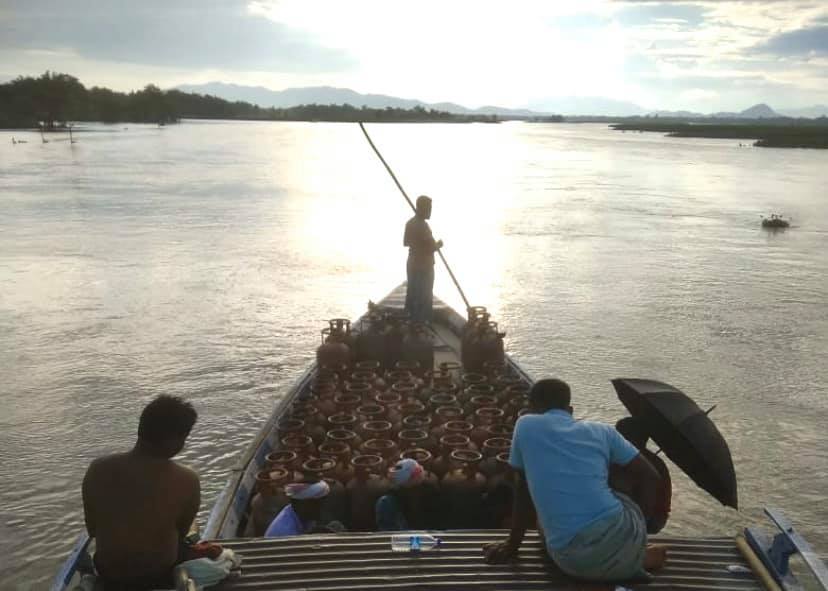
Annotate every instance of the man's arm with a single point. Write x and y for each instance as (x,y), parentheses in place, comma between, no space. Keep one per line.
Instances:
(523,516)
(191,503)
(645,479)
(428,240)
(523,510)
(86,492)
(407,234)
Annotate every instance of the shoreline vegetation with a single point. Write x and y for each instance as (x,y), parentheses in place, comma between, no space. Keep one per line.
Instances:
(767,133)
(55,101)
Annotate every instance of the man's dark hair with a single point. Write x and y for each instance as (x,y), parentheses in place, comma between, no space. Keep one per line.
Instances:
(550,393)
(423,204)
(166,417)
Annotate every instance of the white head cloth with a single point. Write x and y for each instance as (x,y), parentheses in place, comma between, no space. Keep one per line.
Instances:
(406,472)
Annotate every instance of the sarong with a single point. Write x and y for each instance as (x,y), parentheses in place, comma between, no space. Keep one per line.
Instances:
(418,293)
(608,550)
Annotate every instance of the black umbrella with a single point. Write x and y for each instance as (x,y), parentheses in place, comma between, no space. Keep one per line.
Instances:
(684,432)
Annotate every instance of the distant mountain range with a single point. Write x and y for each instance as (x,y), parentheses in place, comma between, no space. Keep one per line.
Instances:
(588,105)
(570,105)
(810,112)
(329,95)
(760,111)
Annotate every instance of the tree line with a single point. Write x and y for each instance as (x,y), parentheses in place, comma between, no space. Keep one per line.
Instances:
(774,133)
(55,100)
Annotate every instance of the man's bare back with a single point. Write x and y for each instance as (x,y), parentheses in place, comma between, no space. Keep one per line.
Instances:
(139,506)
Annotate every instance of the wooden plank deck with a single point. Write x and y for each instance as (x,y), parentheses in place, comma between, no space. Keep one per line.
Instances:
(345,562)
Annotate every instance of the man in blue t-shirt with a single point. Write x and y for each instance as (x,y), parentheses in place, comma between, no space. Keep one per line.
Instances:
(562,468)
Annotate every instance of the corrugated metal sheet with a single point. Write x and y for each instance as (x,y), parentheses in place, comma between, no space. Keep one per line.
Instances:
(347,562)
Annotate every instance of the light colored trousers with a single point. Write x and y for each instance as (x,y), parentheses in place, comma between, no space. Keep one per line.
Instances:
(608,550)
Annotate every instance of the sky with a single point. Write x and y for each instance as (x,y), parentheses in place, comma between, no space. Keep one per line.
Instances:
(703,56)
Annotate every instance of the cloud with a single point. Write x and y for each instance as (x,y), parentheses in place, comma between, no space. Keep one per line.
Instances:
(581,20)
(695,95)
(185,34)
(718,2)
(808,41)
(637,14)
(654,52)
(720,82)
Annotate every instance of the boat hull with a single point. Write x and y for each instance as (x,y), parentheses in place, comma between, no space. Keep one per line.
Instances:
(351,561)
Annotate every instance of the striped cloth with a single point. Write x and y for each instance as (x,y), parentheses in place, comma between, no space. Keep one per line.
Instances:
(608,550)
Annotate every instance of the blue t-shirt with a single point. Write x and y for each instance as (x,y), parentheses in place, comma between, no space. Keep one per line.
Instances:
(566,463)
(286,523)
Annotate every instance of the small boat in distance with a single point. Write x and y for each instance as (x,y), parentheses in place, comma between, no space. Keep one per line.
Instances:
(422,391)
(775,222)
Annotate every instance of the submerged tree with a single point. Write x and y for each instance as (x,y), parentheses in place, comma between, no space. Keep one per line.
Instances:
(49,100)
(58,98)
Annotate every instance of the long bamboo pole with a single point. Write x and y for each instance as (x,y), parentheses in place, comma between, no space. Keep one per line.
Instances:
(414,209)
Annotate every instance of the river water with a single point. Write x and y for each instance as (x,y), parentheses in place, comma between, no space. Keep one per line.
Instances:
(202,259)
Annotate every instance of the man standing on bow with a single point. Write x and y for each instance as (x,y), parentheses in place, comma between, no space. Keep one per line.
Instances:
(421,248)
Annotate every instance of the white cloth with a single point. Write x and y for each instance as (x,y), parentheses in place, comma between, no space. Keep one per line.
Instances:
(205,572)
(406,472)
(307,490)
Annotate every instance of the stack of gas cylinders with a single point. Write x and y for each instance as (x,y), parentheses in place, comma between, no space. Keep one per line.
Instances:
(377,397)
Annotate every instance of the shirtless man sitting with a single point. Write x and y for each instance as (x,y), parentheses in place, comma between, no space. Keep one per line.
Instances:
(139,505)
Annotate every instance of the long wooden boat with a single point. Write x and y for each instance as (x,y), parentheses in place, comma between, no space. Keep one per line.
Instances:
(364,560)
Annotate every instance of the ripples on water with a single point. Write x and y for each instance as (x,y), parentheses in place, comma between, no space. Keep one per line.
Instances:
(201,260)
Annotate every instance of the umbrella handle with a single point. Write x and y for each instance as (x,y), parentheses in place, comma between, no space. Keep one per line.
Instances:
(707,412)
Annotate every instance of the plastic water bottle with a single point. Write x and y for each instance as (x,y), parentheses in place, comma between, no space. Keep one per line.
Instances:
(414,543)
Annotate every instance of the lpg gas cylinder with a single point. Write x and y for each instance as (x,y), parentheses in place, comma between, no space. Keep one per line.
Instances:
(364,489)
(417,346)
(269,499)
(464,488)
(334,350)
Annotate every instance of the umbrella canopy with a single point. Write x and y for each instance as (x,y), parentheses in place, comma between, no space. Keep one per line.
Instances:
(684,432)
